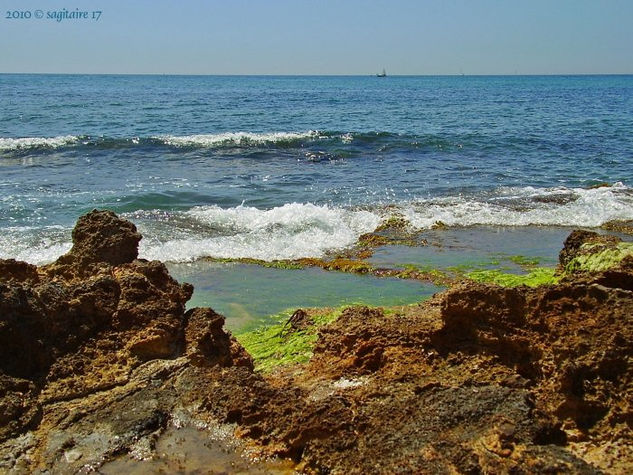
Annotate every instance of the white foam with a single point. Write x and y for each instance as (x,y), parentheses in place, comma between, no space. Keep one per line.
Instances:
(298,230)
(347,138)
(33,142)
(236,138)
(287,232)
(33,244)
(527,206)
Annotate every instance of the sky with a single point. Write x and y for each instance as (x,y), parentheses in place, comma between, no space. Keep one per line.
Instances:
(337,37)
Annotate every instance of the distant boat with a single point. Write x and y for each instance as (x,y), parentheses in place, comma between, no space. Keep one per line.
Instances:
(383,74)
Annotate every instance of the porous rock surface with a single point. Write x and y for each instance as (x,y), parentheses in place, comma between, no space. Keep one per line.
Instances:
(78,335)
(98,354)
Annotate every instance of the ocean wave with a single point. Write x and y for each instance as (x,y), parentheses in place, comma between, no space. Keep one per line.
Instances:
(378,140)
(238,138)
(287,232)
(297,230)
(219,140)
(34,244)
(525,206)
(7,144)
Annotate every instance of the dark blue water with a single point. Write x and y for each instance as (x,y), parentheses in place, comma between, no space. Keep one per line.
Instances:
(274,167)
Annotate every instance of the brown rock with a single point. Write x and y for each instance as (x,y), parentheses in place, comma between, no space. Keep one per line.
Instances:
(620,226)
(101,236)
(578,238)
(84,323)
(479,379)
(208,344)
(17,271)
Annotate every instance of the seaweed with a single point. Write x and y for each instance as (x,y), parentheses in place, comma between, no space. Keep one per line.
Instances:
(597,257)
(272,346)
(537,276)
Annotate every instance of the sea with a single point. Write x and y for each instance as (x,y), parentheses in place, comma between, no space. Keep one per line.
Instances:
(284,167)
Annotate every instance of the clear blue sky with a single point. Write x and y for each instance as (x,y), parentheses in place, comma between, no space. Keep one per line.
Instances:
(322,37)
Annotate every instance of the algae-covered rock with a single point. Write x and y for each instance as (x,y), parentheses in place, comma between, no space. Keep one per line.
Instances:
(586,251)
(535,277)
(395,221)
(596,257)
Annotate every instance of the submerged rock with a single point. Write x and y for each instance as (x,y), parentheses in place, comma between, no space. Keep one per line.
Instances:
(101,362)
(625,227)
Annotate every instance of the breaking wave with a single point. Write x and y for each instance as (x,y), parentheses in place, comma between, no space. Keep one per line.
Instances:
(226,139)
(512,206)
(287,232)
(297,230)
(237,138)
(8,144)
(217,140)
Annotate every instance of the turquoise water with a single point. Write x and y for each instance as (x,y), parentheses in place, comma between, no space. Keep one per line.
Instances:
(288,167)
(246,294)
(477,247)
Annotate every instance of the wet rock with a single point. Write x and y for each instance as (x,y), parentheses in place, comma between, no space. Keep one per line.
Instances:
(479,379)
(89,325)
(620,226)
(579,239)
(572,245)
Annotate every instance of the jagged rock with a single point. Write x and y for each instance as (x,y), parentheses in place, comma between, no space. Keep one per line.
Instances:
(84,323)
(101,236)
(479,379)
(17,272)
(208,344)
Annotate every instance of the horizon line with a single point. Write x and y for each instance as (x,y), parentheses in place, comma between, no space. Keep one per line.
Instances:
(315,75)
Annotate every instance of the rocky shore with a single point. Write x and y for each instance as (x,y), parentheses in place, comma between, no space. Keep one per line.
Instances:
(100,362)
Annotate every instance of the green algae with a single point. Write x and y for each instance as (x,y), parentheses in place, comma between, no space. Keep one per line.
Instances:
(273,346)
(341,264)
(277,264)
(410,271)
(395,221)
(597,257)
(536,277)
(525,262)
(373,240)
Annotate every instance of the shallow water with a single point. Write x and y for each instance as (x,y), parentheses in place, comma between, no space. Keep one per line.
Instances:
(193,451)
(246,294)
(479,246)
